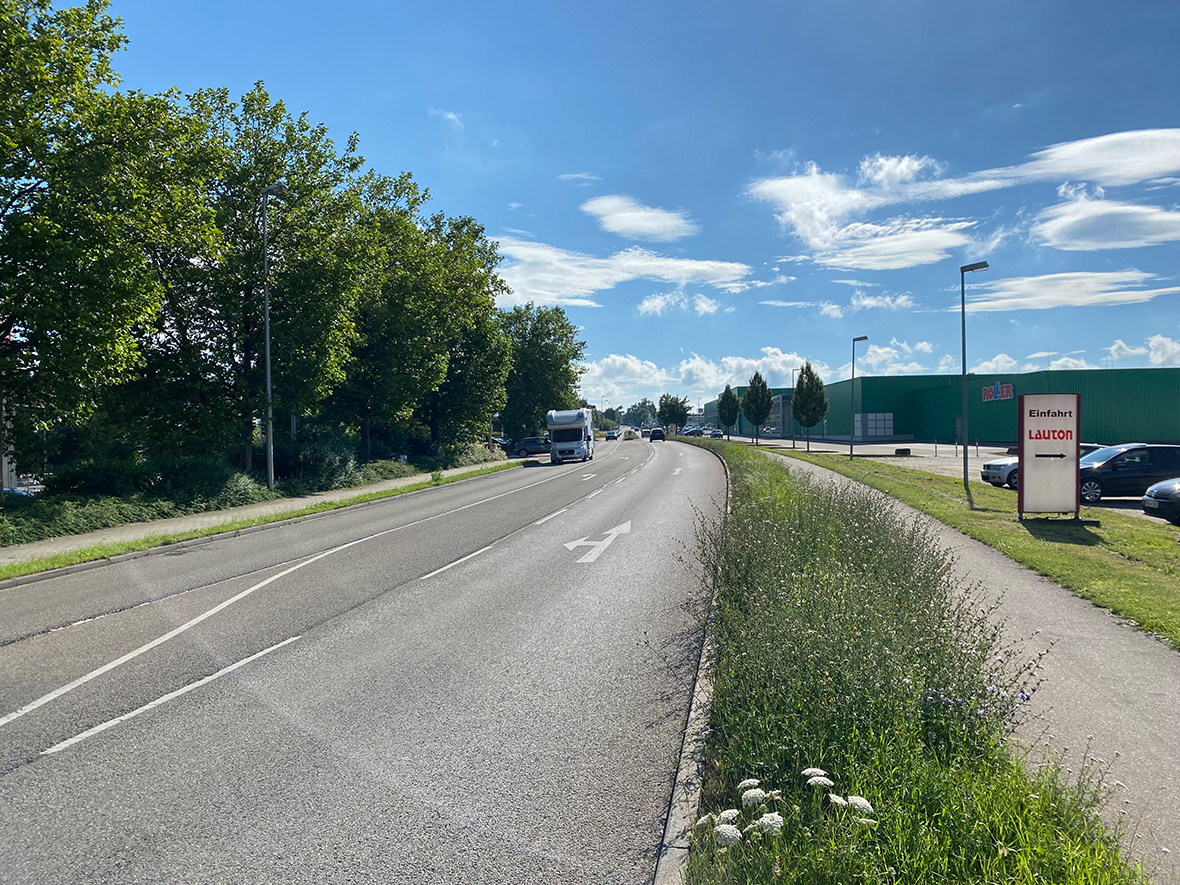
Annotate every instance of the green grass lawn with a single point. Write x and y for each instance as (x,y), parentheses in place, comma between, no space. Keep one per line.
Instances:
(1126,564)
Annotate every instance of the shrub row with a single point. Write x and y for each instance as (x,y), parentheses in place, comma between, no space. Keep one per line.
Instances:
(863,709)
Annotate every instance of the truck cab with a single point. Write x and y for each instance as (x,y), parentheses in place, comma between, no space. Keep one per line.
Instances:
(571,434)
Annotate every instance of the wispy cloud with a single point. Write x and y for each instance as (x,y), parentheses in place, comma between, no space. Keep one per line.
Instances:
(545,274)
(704,305)
(657,304)
(1065,290)
(620,214)
(1120,350)
(1086,225)
(861,301)
(450,116)
(582,179)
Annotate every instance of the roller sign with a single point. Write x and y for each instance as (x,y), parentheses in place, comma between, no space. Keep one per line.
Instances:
(1049,426)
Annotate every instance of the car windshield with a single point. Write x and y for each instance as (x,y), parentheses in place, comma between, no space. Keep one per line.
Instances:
(1101,456)
(567,434)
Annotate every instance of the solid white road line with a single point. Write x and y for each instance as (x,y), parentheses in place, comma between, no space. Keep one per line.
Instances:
(544,519)
(439,571)
(163,699)
(159,640)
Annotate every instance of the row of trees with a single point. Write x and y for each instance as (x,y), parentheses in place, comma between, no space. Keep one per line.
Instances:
(809,404)
(131,272)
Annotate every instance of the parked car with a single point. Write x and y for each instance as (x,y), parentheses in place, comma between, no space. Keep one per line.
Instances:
(532,445)
(1126,469)
(657,433)
(1002,471)
(1163,499)
(691,431)
(612,434)
(717,434)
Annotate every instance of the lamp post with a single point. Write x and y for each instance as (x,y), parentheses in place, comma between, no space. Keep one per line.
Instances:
(963,271)
(277,189)
(852,396)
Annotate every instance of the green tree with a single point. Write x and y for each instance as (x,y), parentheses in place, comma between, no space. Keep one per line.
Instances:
(810,402)
(546,355)
(757,403)
(728,406)
(643,412)
(94,188)
(672,410)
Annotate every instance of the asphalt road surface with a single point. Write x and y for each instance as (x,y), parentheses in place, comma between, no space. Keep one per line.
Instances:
(482,682)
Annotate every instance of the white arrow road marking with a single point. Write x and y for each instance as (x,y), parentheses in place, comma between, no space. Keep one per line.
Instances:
(586,476)
(676,471)
(598,546)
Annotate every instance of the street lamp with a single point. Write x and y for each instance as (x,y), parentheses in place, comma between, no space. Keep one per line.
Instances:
(793,371)
(963,271)
(277,189)
(852,396)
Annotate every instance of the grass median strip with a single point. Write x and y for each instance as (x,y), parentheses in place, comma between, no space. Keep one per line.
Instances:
(108,551)
(863,706)
(1126,564)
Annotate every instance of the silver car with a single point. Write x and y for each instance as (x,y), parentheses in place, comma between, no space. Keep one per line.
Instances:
(1003,471)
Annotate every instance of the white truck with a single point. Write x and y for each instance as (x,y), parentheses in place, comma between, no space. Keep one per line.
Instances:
(571,434)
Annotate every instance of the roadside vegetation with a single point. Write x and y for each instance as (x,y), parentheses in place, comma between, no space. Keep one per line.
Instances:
(863,708)
(1123,563)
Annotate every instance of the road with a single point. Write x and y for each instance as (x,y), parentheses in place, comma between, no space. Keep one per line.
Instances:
(483,682)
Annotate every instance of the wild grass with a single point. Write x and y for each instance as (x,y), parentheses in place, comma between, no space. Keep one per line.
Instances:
(1121,562)
(845,646)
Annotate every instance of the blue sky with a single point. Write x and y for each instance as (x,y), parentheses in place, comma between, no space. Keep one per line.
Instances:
(710,189)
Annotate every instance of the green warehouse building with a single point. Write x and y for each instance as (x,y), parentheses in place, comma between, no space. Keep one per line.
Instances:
(1117,405)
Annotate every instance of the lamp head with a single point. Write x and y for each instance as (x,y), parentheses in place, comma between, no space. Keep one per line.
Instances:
(278,189)
(971,268)
(860,338)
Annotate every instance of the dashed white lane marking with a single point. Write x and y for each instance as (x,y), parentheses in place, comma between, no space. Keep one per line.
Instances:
(550,516)
(586,476)
(595,492)
(110,723)
(439,571)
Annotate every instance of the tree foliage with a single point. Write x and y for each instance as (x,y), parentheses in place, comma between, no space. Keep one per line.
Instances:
(809,405)
(757,403)
(672,410)
(546,355)
(641,413)
(728,406)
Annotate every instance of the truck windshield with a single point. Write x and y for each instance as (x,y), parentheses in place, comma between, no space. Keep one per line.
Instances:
(567,434)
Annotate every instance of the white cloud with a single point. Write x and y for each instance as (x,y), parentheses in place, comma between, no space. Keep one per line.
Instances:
(706,377)
(900,243)
(704,305)
(859,284)
(876,355)
(861,301)
(582,179)
(519,232)
(900,345)
(913,368)
(1164,351)
(617,377)
(450,116)
(544,274)
(831,310)
(620,214)
(512,207)
(889,172)
(1091,225)
(998,364)
(924,347)
(657,304)
(1041,354)
(1069,362)
(946,364)
(1065,290)
(1120,349)
(776,303)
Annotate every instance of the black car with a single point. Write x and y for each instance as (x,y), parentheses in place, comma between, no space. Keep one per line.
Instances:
(657,433)
(1126,469)
(1163,499)
(532,445)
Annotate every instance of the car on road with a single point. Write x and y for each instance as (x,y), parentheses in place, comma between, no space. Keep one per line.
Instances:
(1126,469)
(691,431)
(612,434)
(532,445)
(645,433)
(717,434)
(1163,499)
(657,433)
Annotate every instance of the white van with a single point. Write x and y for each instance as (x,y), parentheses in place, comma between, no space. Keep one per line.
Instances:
(571,433)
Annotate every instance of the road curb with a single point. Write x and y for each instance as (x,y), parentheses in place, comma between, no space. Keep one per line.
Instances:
(686,790)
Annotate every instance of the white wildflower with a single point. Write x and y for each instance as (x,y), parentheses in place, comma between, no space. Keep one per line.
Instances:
(753,797)
(728,816)
(868,822)
(814,772)
(819,781)
(749,829)
(706,819)
(771,822)
(775,794)
(860,805)
(838,801)
(748,784)
(726,835)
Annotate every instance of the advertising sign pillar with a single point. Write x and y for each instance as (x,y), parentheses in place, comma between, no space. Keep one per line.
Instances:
(1048,450)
